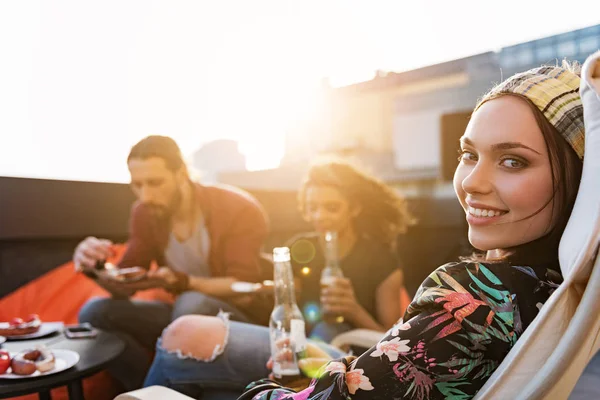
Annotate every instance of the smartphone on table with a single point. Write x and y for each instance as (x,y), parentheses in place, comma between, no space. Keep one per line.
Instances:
(80,331)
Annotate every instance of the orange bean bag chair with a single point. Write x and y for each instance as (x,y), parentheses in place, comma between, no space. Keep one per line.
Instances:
(57,296)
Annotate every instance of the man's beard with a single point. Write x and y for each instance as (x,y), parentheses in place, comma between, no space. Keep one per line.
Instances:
(167,211)
(175,202)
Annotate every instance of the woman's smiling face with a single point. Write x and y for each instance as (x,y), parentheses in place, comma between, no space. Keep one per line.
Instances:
(327,209)
(504,179)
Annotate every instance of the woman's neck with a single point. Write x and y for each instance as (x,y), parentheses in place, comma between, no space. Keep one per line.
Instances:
(346,241)
(495,254)
(542,251)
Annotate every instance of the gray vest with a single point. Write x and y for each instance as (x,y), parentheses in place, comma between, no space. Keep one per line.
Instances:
(190,256)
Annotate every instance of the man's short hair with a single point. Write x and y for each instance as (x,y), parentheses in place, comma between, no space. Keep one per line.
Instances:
(158,146)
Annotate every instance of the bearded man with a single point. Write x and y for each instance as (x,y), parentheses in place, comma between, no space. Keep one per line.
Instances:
(201,238)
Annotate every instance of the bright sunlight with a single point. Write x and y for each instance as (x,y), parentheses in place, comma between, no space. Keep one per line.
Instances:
(84,81)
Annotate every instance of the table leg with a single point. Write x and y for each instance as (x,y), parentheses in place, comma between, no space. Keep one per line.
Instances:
(45,395)
(75,390)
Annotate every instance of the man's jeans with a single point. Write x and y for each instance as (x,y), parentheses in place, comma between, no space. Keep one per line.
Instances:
(139,323)
(223,376)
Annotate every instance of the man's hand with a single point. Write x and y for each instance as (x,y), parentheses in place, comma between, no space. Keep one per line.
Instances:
(127,289)
(90,251)
(117,289)
(163,274)
(339,299)
(174,281)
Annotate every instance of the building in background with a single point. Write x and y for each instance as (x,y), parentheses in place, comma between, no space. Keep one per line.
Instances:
(427,123)
(404,127)
(217,157)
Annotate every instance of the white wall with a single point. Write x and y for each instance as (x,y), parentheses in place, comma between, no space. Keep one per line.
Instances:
(416,140)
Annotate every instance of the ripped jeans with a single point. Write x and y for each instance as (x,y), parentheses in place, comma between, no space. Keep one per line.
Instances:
(139,323)
(231,368)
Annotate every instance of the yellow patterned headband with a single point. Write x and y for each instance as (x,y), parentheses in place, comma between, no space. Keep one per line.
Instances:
(555,91)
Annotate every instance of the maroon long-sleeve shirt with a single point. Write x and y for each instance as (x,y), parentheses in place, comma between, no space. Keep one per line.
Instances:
(236,223)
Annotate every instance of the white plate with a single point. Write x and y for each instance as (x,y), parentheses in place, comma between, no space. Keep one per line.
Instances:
(64,359)
(46,328)
(2,339)
(245,287)
(114,273)
(250,287)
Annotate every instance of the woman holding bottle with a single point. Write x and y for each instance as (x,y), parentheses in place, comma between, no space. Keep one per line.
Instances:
(356,220)
(365,216)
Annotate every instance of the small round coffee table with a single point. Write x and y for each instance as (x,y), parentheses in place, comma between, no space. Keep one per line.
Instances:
(95,354)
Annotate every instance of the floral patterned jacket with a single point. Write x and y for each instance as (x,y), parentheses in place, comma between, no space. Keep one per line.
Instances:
(461,324)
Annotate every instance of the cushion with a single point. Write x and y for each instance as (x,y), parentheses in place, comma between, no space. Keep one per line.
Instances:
(57,296)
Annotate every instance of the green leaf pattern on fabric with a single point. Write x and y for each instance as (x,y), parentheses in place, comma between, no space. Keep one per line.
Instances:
(463,321)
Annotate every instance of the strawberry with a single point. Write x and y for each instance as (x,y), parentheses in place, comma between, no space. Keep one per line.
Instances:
(4,361)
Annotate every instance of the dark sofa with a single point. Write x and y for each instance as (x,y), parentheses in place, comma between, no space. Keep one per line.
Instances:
(42,220)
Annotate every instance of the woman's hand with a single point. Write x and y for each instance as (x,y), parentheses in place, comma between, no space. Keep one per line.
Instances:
(314,359)
(338,298)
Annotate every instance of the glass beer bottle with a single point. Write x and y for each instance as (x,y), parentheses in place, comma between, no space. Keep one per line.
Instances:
(332,270)
(286,325)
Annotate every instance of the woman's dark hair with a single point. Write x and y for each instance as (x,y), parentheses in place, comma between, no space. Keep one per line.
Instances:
(566,170)
(384,214)
(158,146)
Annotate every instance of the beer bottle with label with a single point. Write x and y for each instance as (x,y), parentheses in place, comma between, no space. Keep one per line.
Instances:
(286,325)
(332,270)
